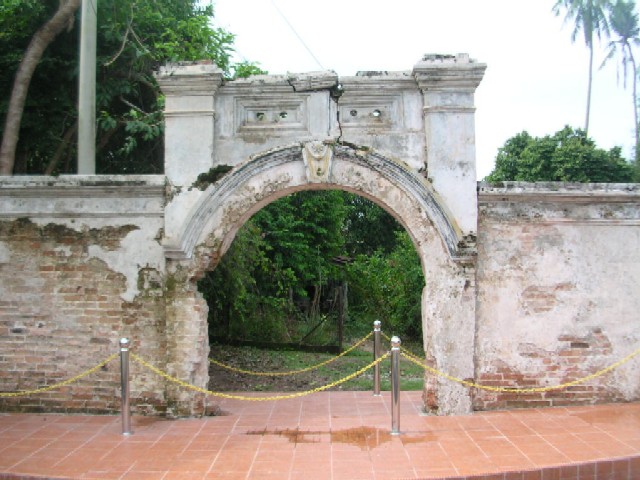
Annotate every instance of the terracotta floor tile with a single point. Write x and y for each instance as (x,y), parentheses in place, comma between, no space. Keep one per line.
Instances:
(474,466)
(143,475)
(309,475)
(183,474)
(548,459)
(11,456)
(225,476)
(202,465)
(511,462)
(427,473)
(497,446)
(332,435)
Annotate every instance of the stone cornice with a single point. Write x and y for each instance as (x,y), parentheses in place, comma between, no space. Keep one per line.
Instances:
(379,82)
(548,192)
(82,196)
(448,73)
(189,79)
(281,84)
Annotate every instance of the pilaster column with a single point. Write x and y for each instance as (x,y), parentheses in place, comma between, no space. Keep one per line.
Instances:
(189,112)
(448,83)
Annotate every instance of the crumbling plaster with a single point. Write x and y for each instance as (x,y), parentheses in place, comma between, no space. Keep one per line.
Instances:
(82,203)
(558,263)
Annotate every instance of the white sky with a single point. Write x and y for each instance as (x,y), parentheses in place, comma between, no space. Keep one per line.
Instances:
(536,79)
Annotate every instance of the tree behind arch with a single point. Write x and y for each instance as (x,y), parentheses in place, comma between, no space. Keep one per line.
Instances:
(566,156)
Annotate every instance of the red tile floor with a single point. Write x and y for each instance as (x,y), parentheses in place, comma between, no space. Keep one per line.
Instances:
(329,436)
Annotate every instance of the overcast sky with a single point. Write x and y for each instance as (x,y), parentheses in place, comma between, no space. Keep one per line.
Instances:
(536,79)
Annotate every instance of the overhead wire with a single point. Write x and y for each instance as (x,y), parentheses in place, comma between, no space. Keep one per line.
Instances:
(297,34)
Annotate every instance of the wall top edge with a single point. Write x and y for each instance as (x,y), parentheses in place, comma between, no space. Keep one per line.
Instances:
(314,81)
(88,181)
(510,191)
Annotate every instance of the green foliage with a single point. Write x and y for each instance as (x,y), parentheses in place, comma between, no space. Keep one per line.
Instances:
(388,288)
(304,234)
(280,278)
(368,227)
(233,291)
(135,37)
(567,156)
(588,16)
(246,69)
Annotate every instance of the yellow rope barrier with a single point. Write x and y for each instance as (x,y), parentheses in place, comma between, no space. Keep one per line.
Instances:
(467,383)
(412,358)
(61,384)
(292,372)
(255,399)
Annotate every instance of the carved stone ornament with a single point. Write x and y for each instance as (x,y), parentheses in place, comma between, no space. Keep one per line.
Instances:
(318,158)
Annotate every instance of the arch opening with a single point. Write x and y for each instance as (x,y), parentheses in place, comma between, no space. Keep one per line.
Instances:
(303,280)
(447,306)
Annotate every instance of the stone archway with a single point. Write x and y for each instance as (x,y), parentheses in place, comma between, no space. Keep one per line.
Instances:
(217,212)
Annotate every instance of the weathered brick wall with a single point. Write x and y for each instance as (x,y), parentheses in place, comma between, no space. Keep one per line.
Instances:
(77,273)
(82,265)
(558,274)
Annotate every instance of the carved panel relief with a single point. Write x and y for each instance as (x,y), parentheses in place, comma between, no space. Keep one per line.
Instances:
(268,115)
(372,111)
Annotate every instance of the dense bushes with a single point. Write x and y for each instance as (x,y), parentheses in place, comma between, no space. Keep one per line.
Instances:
(285,275)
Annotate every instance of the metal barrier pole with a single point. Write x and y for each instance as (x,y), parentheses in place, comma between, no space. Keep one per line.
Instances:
(124,382)
(395,385)
(376,355)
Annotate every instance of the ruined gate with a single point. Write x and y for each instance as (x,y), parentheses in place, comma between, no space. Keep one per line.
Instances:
(379,135)
(512,271)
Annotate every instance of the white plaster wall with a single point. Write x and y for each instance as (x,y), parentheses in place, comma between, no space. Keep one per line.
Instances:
(555,265)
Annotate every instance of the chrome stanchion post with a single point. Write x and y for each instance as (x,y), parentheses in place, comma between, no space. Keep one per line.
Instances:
(395,385)
(376,355)
(124,382)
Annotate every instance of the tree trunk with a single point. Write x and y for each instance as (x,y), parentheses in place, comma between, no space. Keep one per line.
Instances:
(64,143)
(40,41)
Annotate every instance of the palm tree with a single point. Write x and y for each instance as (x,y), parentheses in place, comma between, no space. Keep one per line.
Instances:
(623,20)
(588,16)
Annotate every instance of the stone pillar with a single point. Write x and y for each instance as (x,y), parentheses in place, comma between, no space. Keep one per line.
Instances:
(190,90)
(189,112)
(448,84)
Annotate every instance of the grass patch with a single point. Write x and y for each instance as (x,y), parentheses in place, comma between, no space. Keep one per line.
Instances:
(262,360)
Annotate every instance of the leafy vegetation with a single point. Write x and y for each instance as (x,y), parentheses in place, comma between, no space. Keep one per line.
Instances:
(135,37)
(281,279)
(567,156)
